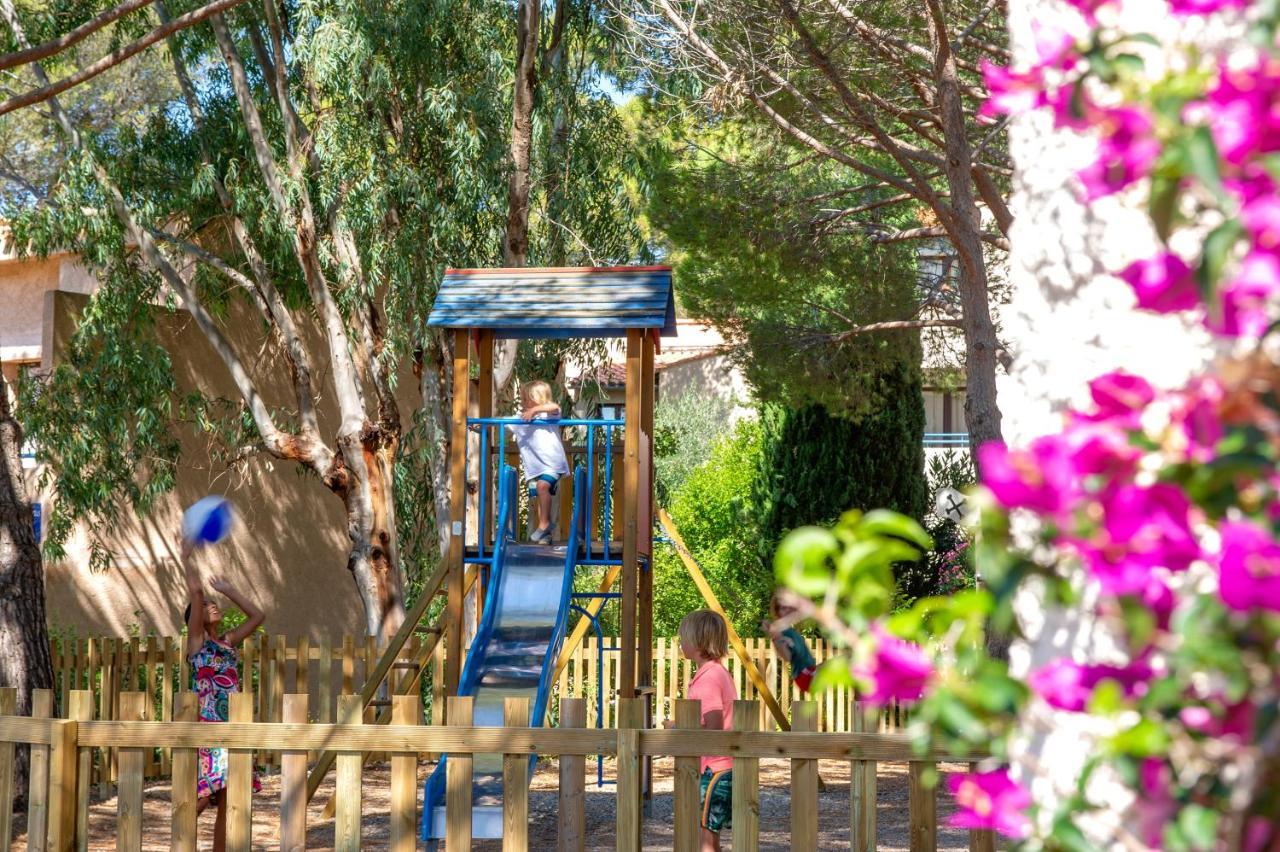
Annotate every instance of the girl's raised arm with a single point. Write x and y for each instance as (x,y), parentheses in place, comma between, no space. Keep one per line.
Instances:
(253,615)
(195,595)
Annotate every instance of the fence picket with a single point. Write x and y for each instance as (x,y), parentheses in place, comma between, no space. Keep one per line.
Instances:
(629,791)
(746,783)
(804,782)
(38,777)
(239,791)
(133,708)
(346,791)
(515,783)
(293,782)
(572,816)
(405,710)
(981,840)
(457,800)
(183,791)
(80,708)
(688,835)
(922,807)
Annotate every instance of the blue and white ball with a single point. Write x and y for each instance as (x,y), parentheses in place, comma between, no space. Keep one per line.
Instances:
(208,521)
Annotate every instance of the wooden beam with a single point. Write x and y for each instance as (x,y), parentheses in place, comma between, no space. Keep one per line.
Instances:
(644,511)
(630,514)
(457,509)
(484,466)
(704,588)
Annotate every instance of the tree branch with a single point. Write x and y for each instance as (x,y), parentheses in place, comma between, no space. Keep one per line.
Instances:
(62,42)
(896,325)
(49,90)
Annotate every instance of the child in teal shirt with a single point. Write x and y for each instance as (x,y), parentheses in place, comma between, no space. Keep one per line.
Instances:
(790,644)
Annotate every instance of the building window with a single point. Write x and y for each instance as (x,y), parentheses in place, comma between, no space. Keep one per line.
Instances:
(611,411)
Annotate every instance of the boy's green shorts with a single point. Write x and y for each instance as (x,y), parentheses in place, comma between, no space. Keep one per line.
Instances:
(716,792)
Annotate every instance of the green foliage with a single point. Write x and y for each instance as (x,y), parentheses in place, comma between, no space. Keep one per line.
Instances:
(814,465)
(684,435)
(754,259)
(708,510)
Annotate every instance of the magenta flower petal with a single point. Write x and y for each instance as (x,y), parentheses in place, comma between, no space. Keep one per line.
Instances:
(1068,685)
(898,670)
(990,801)
(1248,568)
(1204,7)
(1245,299)
(1039,478)
(1127,149)
(1163,284)
(1155,806)
(1153,523)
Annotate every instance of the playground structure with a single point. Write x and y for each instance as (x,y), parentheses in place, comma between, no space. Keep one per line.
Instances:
(524,593)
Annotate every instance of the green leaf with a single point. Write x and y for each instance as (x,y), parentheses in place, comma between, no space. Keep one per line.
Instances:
(1214,257)
(885,522)
(1107,699)
(1199,825)
(1145,739)
(1162,204)
(832,674)
(802,561)
(1203,160)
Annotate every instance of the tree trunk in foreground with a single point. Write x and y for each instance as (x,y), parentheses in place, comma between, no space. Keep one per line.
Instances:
(25,661)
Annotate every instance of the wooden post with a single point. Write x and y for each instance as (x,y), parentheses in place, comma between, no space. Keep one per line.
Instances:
(458,780)
(644,509)
(62,785)
(515,783)
(746,783)
(80,708)
(38,777)
(166,698)
(922,807)
(405,710)
(240,781)
(183,792)
(981,840)
(133,708)
(153,661)
(8,707)
(862,788)
(804,782)
(572,817)
(629,791)
(687,829)
(630,509)
(485,466)
(293,782)
(347,792)
(324,679)
(457,509)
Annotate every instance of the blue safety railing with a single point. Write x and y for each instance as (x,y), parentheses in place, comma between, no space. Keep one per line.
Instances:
(600,436)
(946,439)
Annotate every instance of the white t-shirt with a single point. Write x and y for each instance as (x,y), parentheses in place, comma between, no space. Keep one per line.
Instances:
(541,450)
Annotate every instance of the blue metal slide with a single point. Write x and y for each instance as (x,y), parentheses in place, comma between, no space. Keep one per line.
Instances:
(514,652)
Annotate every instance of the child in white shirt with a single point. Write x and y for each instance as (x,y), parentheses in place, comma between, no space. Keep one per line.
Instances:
(541,453)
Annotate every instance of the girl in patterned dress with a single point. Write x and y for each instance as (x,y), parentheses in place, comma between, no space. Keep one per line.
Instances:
(213,657)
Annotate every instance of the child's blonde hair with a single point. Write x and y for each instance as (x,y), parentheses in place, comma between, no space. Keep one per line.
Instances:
(706,631)
(537,392)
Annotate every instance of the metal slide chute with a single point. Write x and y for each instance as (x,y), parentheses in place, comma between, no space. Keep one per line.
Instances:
(525,618)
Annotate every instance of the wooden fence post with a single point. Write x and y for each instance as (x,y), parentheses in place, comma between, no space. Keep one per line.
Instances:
(804,782)
(629,792)
(240,781)
(405,710)
(62,786)
(746,783)
(133,769)
(8,707)
(687,829)
(922,807)
(183,789)
(515,783)
(346,791)
(862,788)
(293,782)
(573,767)
(457,799)
(80,708)
(38,777)
(981,840)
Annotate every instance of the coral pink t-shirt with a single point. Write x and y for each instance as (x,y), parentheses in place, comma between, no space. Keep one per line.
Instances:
(713,686)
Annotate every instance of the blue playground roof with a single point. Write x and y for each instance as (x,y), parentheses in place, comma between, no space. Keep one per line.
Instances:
(557,301)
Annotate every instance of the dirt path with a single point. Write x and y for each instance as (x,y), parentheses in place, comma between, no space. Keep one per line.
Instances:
(833,812)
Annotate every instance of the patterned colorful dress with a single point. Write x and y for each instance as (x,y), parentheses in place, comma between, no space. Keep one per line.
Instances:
(213,679)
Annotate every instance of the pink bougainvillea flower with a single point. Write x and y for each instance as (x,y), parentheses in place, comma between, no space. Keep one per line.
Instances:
(991,801)
(1195,415)
(1039,478)
(1248,567)
(1118,395)
(897,670)
(1242,112)
(1100,448)
(1243,310)
(1163,284)
(1205,7)
(1127,149)
(1159,598)
(1155,806)
(1231,721)
(1067,685)
(1152,523)
(1011,92)
(1261,218)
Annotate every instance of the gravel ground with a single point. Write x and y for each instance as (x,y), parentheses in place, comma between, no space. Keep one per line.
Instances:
(833,811)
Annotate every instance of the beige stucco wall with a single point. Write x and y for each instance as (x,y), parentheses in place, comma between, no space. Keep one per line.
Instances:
(22,288)
(710,377)
(289,553)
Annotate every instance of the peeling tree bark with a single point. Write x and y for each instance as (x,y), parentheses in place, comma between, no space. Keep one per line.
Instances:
(25,661)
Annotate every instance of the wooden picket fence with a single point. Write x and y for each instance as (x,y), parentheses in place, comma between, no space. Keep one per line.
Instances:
(59,793)
(272,666)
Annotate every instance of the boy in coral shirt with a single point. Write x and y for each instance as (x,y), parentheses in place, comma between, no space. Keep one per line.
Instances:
(705,640)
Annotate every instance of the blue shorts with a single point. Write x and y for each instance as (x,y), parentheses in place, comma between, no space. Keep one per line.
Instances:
(545,477)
